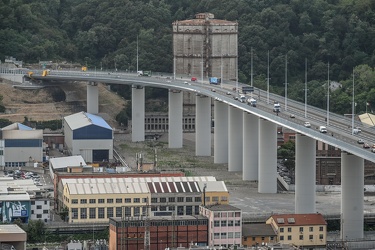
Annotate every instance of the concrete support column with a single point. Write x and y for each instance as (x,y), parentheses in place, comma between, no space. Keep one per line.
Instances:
(305,175)
(203,126)
(221,132)
(175,136)
(250,147)
(352,195)
(267,157)
(235,139)
(138,113)
(92,98)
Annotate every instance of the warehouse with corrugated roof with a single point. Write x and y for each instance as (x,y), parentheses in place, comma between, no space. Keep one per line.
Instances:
(88,135)
(20,145)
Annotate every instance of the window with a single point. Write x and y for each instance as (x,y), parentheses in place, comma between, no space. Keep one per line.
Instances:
(32,202)
(101,212)
(128,211)
(92,201)
(224,198)
(171,208)
(189,210)
(281,237)
(83,211)
(163,200)
(32,211)
(180,199)
(216,223)
(311,237)
(281,230)
(311,229)
(128,200)
(110,201)
(137,200)
(198,199)
(263,238)
(289,237)
(253,238)
(74,213)
(45,211)
(189,199)
(154,200)
(83,201)
(216,235)
(109,212)
(74,201)
(321,229)
(39,207)
(118,212)
(180,210)
(92,213)
(237,223)
(100,200)
(230,235)
(144,200)
(45,202)
(321,236)
(215,199)
(223,235)
(172,199)
(118,200)
(39,216)
(301,229)
(230,223)
(301,237)
(271,238)
(238,214)
(223,223)
(137,211)
(237,235)
(163,208)
(289,229)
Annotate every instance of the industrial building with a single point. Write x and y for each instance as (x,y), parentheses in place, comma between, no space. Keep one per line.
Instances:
(12,237)
(20,145)
(165,232)
(205,47)
(96,200)
(88,135)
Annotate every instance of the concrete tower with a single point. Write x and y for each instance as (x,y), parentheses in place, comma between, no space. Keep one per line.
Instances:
(205,46)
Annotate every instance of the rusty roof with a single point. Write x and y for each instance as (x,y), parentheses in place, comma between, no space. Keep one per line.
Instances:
(298,219)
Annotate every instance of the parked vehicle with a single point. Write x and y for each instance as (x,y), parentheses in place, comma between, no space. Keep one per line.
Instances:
(307,125)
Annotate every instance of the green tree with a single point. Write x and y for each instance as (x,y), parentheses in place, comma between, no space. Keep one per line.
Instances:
(36,231)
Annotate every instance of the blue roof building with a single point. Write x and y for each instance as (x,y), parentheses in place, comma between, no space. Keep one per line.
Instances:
(88,135)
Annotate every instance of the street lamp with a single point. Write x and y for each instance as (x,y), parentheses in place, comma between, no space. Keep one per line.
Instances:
(286,82)
(328,97)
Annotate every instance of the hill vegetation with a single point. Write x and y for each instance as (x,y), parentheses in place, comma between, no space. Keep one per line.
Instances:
(104,34)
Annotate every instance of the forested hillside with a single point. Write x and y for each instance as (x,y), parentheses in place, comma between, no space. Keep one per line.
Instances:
(102,33)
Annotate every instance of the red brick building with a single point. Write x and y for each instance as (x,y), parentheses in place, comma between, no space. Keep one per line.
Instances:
(165,231)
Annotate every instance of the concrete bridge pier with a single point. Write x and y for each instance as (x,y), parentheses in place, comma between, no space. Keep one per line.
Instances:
(305,175)
(250,147)
(138,113)
(92,98)
(220,132)
(175,132)
(235,139)
(267,157)
(352,196)
(203,126)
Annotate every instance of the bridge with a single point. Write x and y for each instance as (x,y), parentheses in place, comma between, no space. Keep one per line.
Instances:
(245,137)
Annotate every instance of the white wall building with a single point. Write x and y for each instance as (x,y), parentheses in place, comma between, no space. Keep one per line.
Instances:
(88,135)
(20,145)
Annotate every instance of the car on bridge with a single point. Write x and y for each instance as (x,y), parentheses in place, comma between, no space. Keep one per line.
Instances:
(307,124)
(360,141)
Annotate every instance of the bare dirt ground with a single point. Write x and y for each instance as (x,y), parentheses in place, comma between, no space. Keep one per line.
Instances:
(39,105)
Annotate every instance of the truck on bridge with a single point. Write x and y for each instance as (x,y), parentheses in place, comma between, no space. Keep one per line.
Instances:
(214,80)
